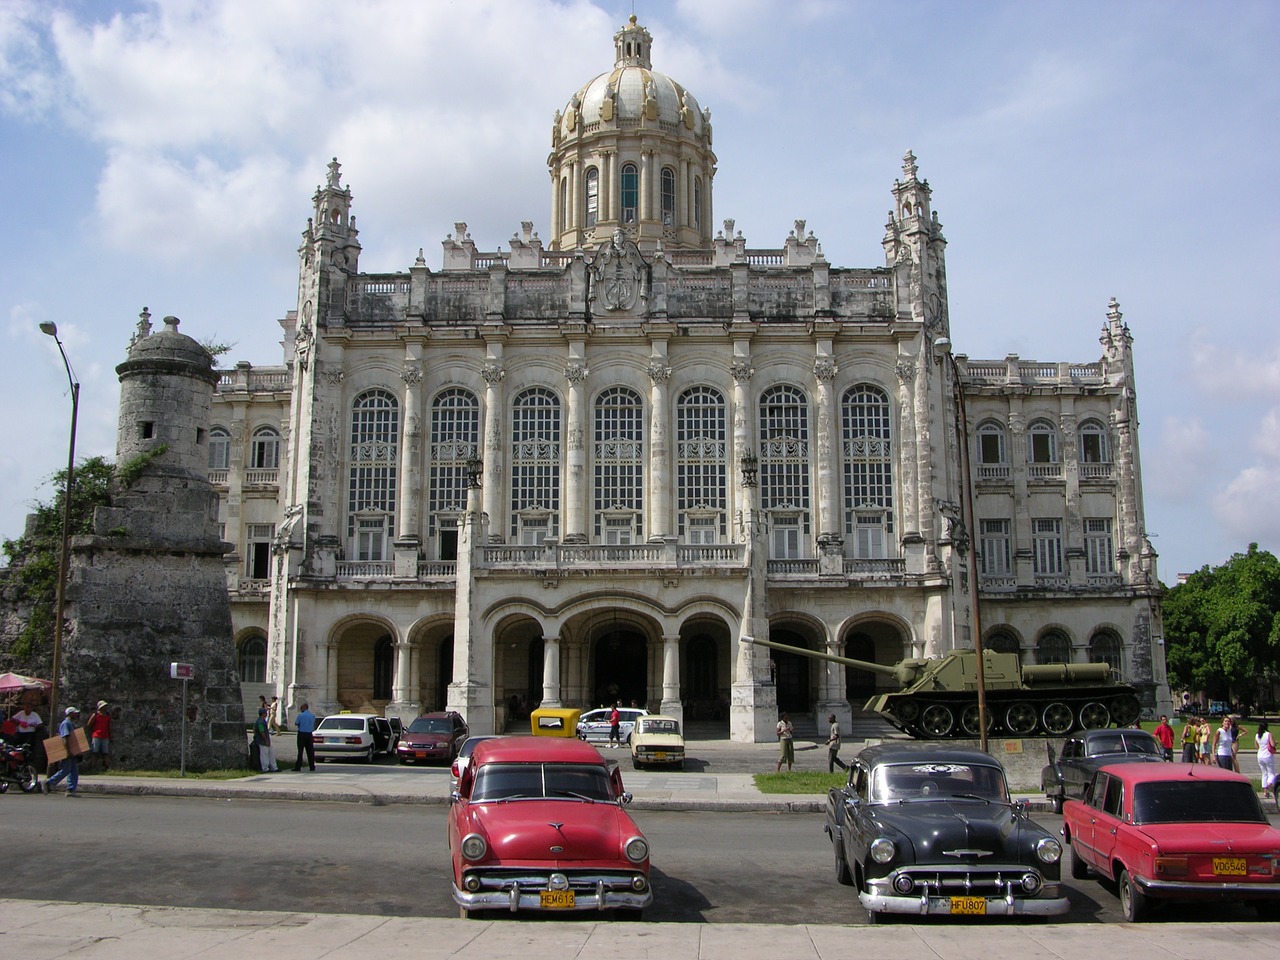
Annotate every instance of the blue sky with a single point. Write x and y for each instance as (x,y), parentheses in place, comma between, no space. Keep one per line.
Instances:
(164,155)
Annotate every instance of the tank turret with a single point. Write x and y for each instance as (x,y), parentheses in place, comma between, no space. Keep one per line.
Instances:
(937,697)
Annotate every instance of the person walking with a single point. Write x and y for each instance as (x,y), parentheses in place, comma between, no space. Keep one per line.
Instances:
(1164,733)
(305,724)
(786,744)
(1190,734)
(262,740)
(100,736)
(1266,759)
(833,746)
(1205,741)
(1224,744)
(69,769)
(279,719)
(615,726)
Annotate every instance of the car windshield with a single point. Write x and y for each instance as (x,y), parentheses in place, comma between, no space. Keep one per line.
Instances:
(540,781)
(431,725)
(342,723)
(1119,742)
(659,726)
(1187,800)
(937,781)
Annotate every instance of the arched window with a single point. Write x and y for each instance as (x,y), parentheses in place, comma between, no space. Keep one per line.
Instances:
(1104,647)
(1093,443)
(375,452)
(618,460)
(384,656)
(253,660)
(784,469)
(697,204)
(264,451)
(668,197)
(455,439)
(535,466)
(564,204)
(701,465)
(868,472)
(219,449)
(630,194)
(1053,647)
(1042,442)
(593,197)
(1002,640)
(991,448)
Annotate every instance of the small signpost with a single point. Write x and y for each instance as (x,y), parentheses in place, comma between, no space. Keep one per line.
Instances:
(183,672)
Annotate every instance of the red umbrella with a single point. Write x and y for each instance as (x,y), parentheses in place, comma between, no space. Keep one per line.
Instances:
(15,682)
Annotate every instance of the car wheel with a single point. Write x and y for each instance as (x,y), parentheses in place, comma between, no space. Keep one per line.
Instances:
(1133,902)
(403,761)
(635,764)
(1079,869)
(843,876)
(368,757)
(629,914)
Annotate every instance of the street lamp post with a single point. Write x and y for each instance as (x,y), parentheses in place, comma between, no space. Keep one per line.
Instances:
(51,329)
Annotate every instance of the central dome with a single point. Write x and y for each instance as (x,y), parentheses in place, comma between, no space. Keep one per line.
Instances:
(632,151)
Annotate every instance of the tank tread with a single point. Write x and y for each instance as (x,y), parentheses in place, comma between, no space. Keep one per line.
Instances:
(1040,712)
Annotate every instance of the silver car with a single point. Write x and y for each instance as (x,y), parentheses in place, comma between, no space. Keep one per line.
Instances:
(594,724)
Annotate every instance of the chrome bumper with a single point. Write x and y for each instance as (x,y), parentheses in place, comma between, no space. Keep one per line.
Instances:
(514,898)
(926,906)
(1258,890)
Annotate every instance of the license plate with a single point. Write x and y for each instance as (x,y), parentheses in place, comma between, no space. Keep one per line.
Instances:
(556,899)
(969,906)
(659,755)
(420,755)
(318,740)
(1229,867)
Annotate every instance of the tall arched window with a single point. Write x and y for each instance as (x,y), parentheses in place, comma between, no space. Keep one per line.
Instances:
(618,459)
(219,449)
(375,453)
(455,439)
(1042,442)
(535,466)
(1002,640)
(1104,647)
(252,662)
(784,469)
(868,472)
(668,197)
(630,194)
(1093,443)
(593,197)
(991,447)
(1053,647)
(264,451)
(701,465)
(384,656)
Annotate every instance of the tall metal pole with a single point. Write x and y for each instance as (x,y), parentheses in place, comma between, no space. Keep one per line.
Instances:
(51,329)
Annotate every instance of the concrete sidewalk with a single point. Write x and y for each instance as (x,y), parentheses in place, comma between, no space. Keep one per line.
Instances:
(90,931)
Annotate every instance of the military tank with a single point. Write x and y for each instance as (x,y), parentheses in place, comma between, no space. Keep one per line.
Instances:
(938,696)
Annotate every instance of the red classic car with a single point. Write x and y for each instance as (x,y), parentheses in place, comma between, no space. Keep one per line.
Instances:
(538,824)
(1175,831)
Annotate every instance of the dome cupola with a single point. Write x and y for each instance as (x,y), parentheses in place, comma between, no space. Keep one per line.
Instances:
(631,150)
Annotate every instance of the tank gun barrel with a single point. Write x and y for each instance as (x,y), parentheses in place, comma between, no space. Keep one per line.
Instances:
(902,673)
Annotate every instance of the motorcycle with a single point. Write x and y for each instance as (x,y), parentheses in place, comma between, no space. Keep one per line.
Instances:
(16,767)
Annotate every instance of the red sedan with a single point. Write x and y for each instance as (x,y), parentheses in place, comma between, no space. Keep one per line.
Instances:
(1175,831)
(537,823)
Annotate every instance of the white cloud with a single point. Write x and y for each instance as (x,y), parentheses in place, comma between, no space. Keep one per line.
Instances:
(1175,466)
(28,81)
(1230,371)
(1246,505)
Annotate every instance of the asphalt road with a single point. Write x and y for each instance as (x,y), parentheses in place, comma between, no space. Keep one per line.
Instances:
(392,860)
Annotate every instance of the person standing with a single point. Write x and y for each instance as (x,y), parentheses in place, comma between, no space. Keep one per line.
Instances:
(1190,734)
(615,726)
(69,769)
(1224,745)
(1266,758)
(100,736)
(275,715)
(28,722)
(1164,733)
(833,746)
(262,740)
(306,727)
(786,744)
(1205,740)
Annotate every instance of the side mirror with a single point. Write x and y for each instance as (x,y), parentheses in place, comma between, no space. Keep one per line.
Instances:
(1053,754)
(455,797)
(625,798)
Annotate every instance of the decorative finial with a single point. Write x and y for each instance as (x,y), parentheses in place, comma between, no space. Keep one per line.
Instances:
(144,323)
(335,174)
(909,165)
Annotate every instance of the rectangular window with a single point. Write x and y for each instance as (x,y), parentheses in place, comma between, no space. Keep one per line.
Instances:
(785,538)
(990,448)
(1046,541)
(532,532)
(371,538)
(1098,551)
(702,530)
(617,530)
(1042,448)
(871,537)
(258,552)
(995,550)
(447,539)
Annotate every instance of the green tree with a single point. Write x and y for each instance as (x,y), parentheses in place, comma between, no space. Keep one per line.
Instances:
(1222,628)
(34,556)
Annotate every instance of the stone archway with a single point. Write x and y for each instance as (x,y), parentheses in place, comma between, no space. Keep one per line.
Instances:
(874,641)
(792,673)
(620,667)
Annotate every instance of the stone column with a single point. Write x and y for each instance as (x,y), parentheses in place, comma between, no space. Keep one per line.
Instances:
(576,188)
(403,698)
(494,462)
(660,525)
(646,185)
(471,689)
(608,203)
(831,693)
(672,706)
(826,437)
(575,481)
(330,703)
(407,540)
(551,671)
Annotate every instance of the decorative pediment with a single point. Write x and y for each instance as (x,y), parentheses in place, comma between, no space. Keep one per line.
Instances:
(619,278)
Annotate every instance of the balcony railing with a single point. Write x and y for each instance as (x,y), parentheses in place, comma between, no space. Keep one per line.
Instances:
(782,568)
(553,555)
(894,567)
(437,569)
(1044,471)
(993,471)
(1095,471)
(365,569)
(260,478)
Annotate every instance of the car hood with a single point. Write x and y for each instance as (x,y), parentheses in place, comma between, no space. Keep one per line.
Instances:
(523,830)
(424,739)
(940,829)
(1213,838)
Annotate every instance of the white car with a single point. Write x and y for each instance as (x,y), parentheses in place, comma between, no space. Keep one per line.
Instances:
(594,724)
(463,759)
(657,739)
(351,735)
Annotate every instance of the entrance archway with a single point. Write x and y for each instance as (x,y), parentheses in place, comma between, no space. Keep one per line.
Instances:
(621,668)
(860,685)
(791,673)
(444,672)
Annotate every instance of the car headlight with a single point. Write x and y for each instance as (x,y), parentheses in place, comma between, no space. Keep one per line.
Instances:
(882,850)
(637,849)
(1048,850)
(474,847)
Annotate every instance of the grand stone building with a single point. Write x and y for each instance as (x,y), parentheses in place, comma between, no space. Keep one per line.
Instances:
(586,469)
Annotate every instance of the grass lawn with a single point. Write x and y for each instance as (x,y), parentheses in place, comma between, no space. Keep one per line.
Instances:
(799,782)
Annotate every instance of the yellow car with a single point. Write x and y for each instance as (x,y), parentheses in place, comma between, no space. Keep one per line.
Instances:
(657,739)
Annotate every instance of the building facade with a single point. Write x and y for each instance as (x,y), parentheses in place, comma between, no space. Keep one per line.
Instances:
(588,471)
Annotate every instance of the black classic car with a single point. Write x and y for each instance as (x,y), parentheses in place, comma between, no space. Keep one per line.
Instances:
(930,830)
(1067,774)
